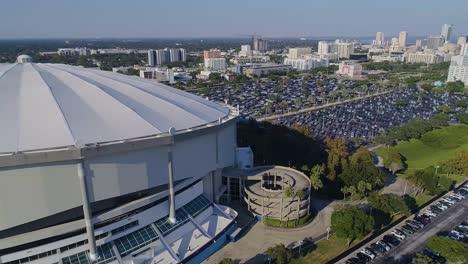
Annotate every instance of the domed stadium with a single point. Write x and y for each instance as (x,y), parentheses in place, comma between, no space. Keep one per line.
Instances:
(100,167)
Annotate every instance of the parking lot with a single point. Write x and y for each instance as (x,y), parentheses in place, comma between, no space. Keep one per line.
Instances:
(409,237)
(417,242)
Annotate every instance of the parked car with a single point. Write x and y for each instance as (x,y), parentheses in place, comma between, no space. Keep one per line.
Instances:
(377,248)
(448,200)
(353,260)
(442,205)
(363,257)
(383,244)
(399,234)
(456,197)
(408,230)
(433,255)
(436,209)
(422,220)
(391,240)
(429,213)
(414,225)
(368,252)
(461,230)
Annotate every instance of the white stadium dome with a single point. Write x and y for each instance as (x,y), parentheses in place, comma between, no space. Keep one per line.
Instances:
(49,105)
(100,167)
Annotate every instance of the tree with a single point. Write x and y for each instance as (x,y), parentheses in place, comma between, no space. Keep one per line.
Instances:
(445,109)
(462,118)
(439,120)
(279,254)
(453,251)
(315,175)
(388,203)
(457,164)
(351,223)
(227,261)
(288,192)
(455,87)
(337,150)
(361,173)
(393,160)
(423,259)
(426,180)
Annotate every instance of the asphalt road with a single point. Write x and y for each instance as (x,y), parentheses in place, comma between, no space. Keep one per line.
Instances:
(446,221)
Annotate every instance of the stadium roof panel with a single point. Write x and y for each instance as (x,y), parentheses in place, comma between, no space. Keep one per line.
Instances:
(45,106)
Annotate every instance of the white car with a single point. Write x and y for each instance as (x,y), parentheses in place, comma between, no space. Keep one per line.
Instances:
(448,200)
(429,213)
(383,244)
(456,195)
(457,234)
(442,206)
(400,235)
(367,252)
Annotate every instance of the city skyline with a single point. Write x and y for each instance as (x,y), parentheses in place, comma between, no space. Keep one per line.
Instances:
(208,18)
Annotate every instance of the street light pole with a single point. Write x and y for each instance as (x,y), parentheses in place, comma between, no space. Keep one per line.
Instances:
(328,232)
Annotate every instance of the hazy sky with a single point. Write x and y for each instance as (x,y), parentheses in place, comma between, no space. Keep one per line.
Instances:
(223,18)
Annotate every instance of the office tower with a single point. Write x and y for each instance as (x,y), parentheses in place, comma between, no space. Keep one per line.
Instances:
(152,57)
(379,38)
(435,41)
(446,32)
(295,53)
(402,39)
(419,43)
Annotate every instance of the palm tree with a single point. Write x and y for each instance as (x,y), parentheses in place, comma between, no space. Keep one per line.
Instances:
(315,174)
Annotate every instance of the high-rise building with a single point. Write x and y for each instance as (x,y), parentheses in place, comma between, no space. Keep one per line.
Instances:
(446,32)
(295,53)
(215,64)
(458,70)
(344,49)
(402,38)
(152,57)
(164,56)
(461,44)
(260,44)
(435,41)
(324,47)
(379,38)
(212,53)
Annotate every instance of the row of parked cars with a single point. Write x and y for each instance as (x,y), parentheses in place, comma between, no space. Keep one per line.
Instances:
(397,235)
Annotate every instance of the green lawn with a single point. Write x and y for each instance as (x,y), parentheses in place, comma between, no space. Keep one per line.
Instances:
(434,147)
(326,250)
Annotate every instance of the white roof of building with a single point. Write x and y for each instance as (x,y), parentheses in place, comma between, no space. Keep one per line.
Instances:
(46,106)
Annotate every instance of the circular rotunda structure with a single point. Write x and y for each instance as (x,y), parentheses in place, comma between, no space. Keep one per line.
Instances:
(101,167)
(276,192)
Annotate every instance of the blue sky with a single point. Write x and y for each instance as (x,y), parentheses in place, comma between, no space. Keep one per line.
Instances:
(211,18)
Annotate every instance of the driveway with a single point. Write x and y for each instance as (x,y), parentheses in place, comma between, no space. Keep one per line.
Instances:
(250,248)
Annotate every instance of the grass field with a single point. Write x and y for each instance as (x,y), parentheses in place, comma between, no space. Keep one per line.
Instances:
(326,250)
(434,147)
